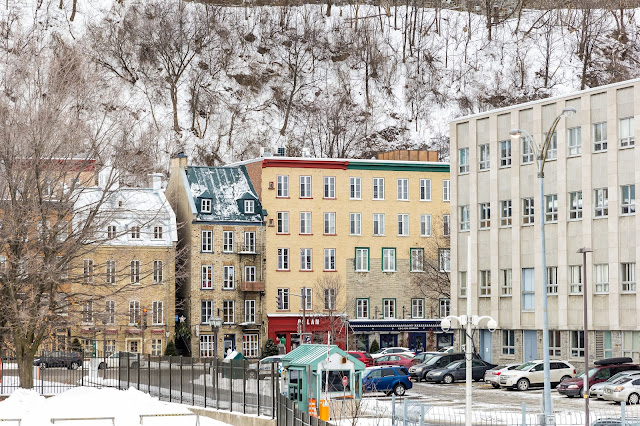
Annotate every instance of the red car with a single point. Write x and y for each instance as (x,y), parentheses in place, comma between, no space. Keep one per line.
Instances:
(364,357)
(401,360)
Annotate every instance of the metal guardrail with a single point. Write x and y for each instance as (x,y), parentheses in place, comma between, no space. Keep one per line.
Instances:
(12,420)
(143,416)
(65,419)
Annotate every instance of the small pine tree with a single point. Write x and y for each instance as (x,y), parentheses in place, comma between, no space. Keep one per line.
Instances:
(171,350)
(374,347)
(270,348)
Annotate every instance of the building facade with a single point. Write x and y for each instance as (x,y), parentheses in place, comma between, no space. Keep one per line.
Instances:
(589,191)
(221,236)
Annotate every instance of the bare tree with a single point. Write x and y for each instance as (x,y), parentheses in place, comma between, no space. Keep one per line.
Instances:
(331,299)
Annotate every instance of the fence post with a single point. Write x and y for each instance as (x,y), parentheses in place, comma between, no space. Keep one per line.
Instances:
(258,389)
(524,414)
(217,379)
(421,414)
(181,379)
(405,413)
(82,369)
(128,369)
(204,364)
(230,384)
(138,375)
(193,385)
(149,375)
(622,413)
(244,388)
(393,410)
(170,379)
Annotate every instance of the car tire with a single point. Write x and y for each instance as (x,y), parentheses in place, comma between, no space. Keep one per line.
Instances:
(582,392)
(102,366)
(523,384)
(399,389)
(563,378)
(634,398)
(448,379)
(570,396)
(424,377)
(495,386)
(73,366)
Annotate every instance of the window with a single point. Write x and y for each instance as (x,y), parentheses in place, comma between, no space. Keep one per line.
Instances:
(157,312)
(284,299)
(506,288)
(631,344)
(135,232)
(417,260)
(555,344)
(601,199)
(575,205)
(600,137)
(528,216)
(207,276)
(446,190)
(329,187)
(575,279)
(227,241)
(330,259)
(527,151)
(425,225)
(389,308)
(282,222)
(505,213)
(157,232)
(628,277)
(157,271)
(283,259)
(378,188)
(425,189)
(110,312)
(446,225)
(110,269)
(156,347)
(444,260)
(485,283)
(462,284)
(228,311)
(485,215)
(362,308)
(88,271)
(601,278)
(552,151)
(465,221)
(330,224)
(355,223)
(505,153)
(577,344)
(228,277)
(305,222)
(626,132)
(330,299)
(388,260)
(362,260)
(134,271)
(282,186)
(551,208)
(552,280)
(355,188)
(250,274)
(205,205)
(444,307)
(306,263)
(628,199)
(417,308)
(574,142)
(403,224)
(87,311)
(207,345)
(305,186)
(463,160)
(378,224)
(403,189)
(249,242)
(528,290)
(308,299)
(207,241)
(111,232)
(250,345)
(249,206)
(134,312)
(508,342)
(485,159)
(250,311)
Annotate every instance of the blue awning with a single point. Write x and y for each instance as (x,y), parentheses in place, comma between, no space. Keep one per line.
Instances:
(395,325)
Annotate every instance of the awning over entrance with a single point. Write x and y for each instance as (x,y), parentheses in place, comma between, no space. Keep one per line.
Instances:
(362,326)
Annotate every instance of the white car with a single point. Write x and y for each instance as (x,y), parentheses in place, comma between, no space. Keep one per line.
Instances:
(532,374)
(626,389)
(492,377)
(596,390)
(393,351)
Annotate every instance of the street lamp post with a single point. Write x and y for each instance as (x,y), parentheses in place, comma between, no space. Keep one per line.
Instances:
(585,386)
(215,323)
(541,153)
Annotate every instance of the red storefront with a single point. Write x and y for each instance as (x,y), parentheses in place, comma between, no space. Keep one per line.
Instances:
(288,327)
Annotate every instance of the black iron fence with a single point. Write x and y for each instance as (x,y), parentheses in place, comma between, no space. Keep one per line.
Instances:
(290,415)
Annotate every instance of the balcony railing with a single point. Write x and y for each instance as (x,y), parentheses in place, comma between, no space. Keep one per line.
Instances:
(252,286)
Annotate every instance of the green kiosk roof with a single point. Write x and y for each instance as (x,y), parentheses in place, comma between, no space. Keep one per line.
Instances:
(308,354)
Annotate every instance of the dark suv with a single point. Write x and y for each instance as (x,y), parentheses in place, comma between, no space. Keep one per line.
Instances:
(70,360)
(602,370)
(420,371)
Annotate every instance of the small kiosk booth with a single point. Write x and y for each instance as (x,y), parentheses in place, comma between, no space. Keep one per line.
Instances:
(315,373)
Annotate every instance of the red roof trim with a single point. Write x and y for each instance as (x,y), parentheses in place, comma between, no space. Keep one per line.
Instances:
(305,164)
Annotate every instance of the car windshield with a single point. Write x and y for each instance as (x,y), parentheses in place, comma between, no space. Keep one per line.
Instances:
(453,364)
(616,376)
(526,366)
(623,380)
(426,357)
(499,367)
(591,373)
(432,360)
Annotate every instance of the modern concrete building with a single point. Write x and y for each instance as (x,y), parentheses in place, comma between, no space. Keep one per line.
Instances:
(589,187)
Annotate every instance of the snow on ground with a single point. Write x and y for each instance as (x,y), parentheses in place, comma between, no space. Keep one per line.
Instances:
(125,406)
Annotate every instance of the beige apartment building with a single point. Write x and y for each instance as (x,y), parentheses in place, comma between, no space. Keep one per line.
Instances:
(589,186)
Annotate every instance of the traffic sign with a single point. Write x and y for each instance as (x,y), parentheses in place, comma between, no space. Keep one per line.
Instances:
(345,380)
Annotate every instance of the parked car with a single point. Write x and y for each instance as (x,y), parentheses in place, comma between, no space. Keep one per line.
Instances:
(596,390)
(389,379)
(117,359)
(270,363)
(70,360)
(626,389)
(394,351)
(532,374)
(446,350)
(602,370)
(396,359)
(364,357)
(419,372)
(457,371)
(424,356)
(634,421)
(492,376)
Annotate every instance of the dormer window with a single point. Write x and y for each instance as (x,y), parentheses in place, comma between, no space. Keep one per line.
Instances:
(249,206)
(111,232)
(157,232)
(135,232)
(205,205)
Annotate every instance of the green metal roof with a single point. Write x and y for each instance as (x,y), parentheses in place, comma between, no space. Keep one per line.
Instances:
(314,354)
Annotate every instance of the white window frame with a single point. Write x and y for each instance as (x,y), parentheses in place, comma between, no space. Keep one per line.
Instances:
(465,218)
(283,259)
(506,286)
(282,225)
(362,308)
(282,186)
(249,206)
(601,202)
(207,345)
(417,308)
(305,223)
(228,311)
(134,312)
(355,188)
(205,205)
(446,190)
(355,223)
(110,312)
(576,343)
(552,280)
(575,205)
(403,225)
(250,274)
(484,281)
(527,154)
(378,188)
(329,223)
(88,271)
(227,241)
(551,208)
(389,308)
(134,272)
(627,199)
(528,211)
(575,279)
(599,144)
(444,260)
(631,344)
(306,259)
(206,311)
(329,187)
(250,311)
(555,343)
(329,259)
(446,225)
(505,153)
(425,225)
(462,284)
(574,141)
(378,224)
(506,213)
(484,210)
(158,232)
(628,277)
(552,151)
(330,296)
(158,271)
(284,297)
(249,242)
(206,275)
(463,161)
(362,259)
(416,259)
(388,259)
(402,189)
(228,277)
(444,307)
(251,345)
(626,131)
(157,312)
(508,342)
(484,157)
(305,187)
(206,241)
(425,189)
(601,278)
